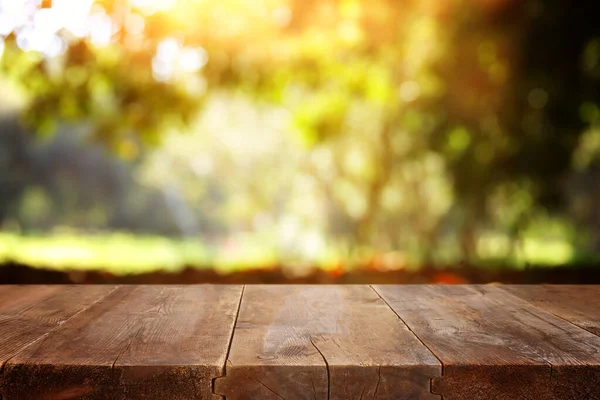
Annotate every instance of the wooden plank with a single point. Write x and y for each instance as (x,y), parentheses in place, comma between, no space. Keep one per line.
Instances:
(153,342)
(578,304)
(15,298)
(29,312)
(496,346)
(323,342)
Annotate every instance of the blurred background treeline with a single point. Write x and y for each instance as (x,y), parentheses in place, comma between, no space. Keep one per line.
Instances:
(414,140)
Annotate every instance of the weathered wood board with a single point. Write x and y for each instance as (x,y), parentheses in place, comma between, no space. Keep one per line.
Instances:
(28,313)
(578,304)
(494,345)
(140,342)
(324,342)
(300,342)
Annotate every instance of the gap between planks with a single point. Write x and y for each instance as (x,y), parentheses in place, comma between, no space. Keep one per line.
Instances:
(235,322)
(224,370)
(418,338)
(548,310)
(427,384)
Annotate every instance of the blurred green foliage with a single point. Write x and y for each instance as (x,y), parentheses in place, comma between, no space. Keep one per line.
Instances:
(445,130)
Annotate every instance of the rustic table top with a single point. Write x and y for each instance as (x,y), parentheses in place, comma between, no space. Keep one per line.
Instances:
(300,342)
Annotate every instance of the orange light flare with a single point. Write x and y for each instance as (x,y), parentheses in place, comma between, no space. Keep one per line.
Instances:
(214,20)
(448,278)
(445,9)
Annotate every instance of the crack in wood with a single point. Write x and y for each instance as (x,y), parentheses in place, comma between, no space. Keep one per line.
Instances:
(326,365)
(378,382)
(363,392)
(268,388)
(126,347)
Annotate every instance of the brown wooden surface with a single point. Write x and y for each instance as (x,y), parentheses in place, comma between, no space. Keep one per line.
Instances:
(27,313)
(496,346)
(579,304)
(300,342)
(320,342)
(153,342)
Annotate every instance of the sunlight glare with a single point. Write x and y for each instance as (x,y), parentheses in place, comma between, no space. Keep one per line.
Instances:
(72,15)
(135,24)
(192,60)
(102,28)
(168,49)
(14,13)
(151,6)
(37,28)
(282,15)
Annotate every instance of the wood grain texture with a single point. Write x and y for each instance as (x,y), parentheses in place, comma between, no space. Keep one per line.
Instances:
(496,346)
(578,304)
(320,342)
(27,313)
(15,298)
(140,342)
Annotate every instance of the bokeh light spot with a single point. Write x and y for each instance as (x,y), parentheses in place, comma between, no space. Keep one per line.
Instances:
(537,98)
(410,91)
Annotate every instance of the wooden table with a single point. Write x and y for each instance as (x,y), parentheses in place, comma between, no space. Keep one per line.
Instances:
(300,342)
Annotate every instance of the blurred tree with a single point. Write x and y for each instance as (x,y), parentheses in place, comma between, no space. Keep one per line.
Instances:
(426,122)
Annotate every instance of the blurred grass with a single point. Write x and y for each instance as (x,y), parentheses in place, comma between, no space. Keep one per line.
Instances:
(113,253)
(126,254)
